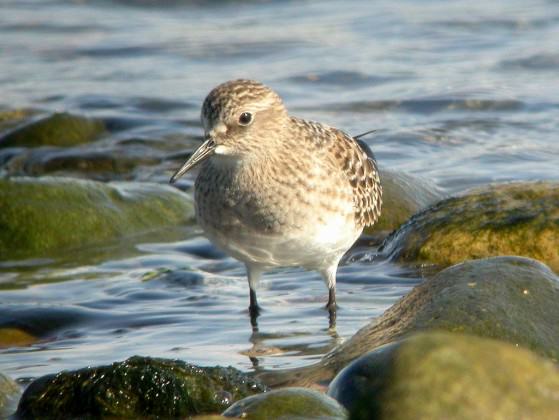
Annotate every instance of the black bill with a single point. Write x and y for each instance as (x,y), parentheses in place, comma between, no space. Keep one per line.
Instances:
(202,153)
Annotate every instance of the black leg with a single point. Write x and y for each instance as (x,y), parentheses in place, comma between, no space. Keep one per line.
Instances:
(332,318)
(253,309)
(331,306)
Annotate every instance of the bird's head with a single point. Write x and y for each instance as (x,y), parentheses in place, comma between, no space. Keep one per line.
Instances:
(240,118)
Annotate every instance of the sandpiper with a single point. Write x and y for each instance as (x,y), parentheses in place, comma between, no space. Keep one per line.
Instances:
(274,190)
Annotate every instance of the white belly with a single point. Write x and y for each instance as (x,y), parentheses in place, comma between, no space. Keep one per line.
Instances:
(315,247)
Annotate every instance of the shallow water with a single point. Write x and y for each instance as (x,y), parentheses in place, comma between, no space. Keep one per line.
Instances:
(461,94)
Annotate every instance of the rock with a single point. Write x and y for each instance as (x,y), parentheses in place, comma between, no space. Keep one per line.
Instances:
(39,217)
(139,387)
(15,337)
(11,117)
(103,165)
(507,298)
(9,392)
(60,129)
(287,403)
(444,376)
(513,299)
(403,195)
(510,219)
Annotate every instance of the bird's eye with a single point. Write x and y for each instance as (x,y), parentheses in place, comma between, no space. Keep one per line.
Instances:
(245,118)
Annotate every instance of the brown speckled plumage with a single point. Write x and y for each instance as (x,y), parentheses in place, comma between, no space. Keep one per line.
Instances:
(280,190)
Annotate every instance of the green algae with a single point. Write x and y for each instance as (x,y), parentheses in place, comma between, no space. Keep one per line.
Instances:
(139,387)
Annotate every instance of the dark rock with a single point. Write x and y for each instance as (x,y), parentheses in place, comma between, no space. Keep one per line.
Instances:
(444,376)
(60,129)
(511,219)
(39,217)
(287,403)
(138,387)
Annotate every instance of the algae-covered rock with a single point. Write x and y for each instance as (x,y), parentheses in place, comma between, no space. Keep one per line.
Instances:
(9,392)
(41,216)
(402,196)
(511,219)
(60,129)
(11,117)
(287,403)
(449,376)
(104,165)
(139,387)
(12,337)
(513,299)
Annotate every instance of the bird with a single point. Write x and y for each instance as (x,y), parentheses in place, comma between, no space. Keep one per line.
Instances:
(275,190)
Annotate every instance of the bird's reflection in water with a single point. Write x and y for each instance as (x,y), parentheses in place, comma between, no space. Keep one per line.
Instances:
(259,349)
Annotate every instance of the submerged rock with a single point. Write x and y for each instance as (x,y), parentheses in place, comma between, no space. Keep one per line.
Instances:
(15,337)
(444,376)
(11,117)
(511,219)
(513,299)
(136,388)
(60,129)
(103,165)
(403,195)
(287,403)
(39,217)
(9,392)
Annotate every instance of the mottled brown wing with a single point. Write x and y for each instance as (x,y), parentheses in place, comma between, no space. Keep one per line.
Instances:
(357,162)
(359,165)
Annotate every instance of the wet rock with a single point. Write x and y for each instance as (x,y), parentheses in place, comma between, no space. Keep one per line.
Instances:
(39,217)
(15,337)
(511,219)
(300,403)
(443,376)
(60,129)
(138,387)
(9,392)
(403,195)
(513,299)
(9,118)
(507,298)
(102,165)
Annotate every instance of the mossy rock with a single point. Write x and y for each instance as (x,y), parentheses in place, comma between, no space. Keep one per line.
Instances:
(513,299)
(510,219)
(287,403)
(11,117)
(41,216)
(139,387)
(9,393)
(60,129)
(402,196)
(104,165)
(449,376)
(15,337)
